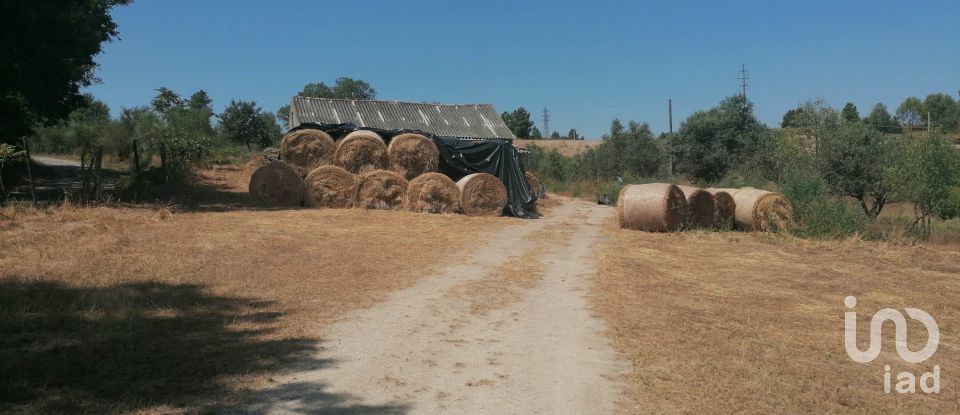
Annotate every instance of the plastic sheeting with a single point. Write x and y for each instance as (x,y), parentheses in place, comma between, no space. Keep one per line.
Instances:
(460,157)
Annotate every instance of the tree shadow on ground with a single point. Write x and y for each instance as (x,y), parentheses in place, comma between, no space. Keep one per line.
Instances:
(137,346)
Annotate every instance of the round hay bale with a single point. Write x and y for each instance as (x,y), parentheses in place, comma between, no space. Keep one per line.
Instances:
(482,194)
(702,208)
(432,192)
(534,183)
(361,150)
(307,149)
(412,155)
(726,208)
(655,207)
(330,187)
(276,184)
(381,189)
(760,210)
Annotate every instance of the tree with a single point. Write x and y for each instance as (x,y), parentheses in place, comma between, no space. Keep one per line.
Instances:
(853,159)
(850,114)
(943,110)
(518,122)
(535,133)
(165,101)
(555,136)
(343,88)
(245,123)
(48,55)
(881,119)
(925,174)
(910,112)
(710,143)
(573,135)
(792,118)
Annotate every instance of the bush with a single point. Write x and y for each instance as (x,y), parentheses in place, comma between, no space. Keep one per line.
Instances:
(816,214)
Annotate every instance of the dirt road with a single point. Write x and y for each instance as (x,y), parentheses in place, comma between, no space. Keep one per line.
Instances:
(504,330)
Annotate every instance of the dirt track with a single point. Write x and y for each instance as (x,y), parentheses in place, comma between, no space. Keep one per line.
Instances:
(458,343)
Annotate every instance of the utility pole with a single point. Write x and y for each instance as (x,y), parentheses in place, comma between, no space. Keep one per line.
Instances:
(670,137)
(670,111)
(744,80)
(546,123)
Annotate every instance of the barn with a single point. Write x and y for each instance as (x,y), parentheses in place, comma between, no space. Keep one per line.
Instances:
(472,121)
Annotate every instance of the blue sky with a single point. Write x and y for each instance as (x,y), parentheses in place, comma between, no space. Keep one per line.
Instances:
(588,62)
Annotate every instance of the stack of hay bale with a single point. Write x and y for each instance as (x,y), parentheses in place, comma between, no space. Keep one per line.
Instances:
(361,170)
(663,207)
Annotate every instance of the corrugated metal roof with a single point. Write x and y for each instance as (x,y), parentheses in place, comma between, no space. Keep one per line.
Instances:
(464,121)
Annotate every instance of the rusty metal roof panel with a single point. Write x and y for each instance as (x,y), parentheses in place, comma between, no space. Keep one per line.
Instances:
(479,121)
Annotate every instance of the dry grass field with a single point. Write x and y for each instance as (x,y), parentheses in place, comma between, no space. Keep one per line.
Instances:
(118,310)
(567,148)
(753,323)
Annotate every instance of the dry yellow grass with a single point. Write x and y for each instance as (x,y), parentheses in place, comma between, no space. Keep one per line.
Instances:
(752,323)
(108,310)
(567,148)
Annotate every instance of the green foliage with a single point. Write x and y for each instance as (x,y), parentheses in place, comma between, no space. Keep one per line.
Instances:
(343,88)
(535,133)
(910,112)
(925,174)
(881,119)
(816,213)
(850,114)
(519,122)
(711,142)
(792,118)
(48,55)
(943,110)
(245,123)
(853,159)
(184,151)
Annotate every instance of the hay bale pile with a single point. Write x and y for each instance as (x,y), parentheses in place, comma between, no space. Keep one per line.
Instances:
(655,207)
(760,210)
(432,193)
(307,149)
(412,155)
(482,194)
(360,151)
(330,187)
(276,184)
(361,170)
(702,212)
(381,189)
(662,207)
(726,208)
(534,183)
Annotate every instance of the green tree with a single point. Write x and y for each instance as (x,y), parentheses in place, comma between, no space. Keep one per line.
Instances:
(943,110)
(850,114)
(853,159)
(711,142)
(166,101)
(518,122)
(881,119)
(792,118)
(925,174)
(910,112)
(535,133)
(48,55)
(343,88)
(555,136)
(245,123)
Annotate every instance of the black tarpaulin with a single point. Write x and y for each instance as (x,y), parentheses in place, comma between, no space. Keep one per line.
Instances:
(460,157)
